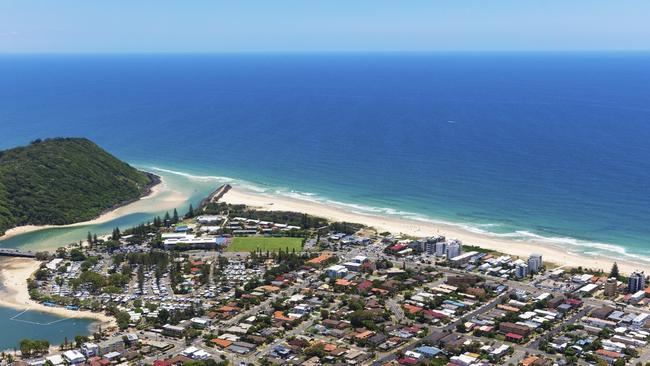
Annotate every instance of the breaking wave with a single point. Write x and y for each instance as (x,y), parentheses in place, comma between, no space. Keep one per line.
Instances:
(566,243)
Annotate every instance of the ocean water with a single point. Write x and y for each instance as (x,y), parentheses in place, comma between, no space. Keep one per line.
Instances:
(36,325)
(550,146)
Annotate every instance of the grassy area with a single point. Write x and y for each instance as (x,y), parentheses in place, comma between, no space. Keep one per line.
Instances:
(252,243)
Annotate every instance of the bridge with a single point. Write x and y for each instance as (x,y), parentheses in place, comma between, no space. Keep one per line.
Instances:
(9,252)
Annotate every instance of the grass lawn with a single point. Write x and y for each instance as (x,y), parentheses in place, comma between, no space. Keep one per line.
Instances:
(252,243)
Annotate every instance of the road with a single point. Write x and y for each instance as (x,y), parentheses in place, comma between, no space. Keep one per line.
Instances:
(558,328)
(382,359)
(396,308)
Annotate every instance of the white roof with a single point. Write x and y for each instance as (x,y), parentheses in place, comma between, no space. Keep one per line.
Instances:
(337,268)
(464,255)
(588,288)
(200,355)
(54,263)
(56,359)
(73,355)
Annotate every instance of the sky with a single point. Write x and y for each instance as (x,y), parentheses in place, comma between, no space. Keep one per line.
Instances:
(207,26)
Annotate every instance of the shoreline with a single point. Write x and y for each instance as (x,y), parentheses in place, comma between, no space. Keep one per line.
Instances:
(14,294)
(411,227)
(110,214)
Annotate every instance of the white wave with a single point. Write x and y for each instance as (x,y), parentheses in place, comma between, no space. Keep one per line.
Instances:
(192,176)
(608,249)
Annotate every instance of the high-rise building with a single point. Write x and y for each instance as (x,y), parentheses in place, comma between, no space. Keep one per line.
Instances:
(535,263)
(431,245)
(454,249)
(611,287)
(636,282)
(441,248)
(521,270)
(430,248)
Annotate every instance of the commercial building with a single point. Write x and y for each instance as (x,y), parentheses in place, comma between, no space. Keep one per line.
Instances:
(454,249)
(611,287)
(173,330)
(441,248)
(355,264)
(336,271)
(90,349)
(535,263)
(521,270)
(636,282)
(74,357)
(461,259)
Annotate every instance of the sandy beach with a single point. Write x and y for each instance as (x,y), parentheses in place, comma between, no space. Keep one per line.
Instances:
(166,199)
(14,273)
(410,227)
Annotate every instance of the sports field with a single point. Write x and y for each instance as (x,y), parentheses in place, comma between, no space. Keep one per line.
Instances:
(252,243)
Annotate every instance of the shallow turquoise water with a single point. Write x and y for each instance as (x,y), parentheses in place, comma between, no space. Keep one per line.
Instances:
(17,325)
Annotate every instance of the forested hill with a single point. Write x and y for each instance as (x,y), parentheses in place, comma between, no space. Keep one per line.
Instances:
(63,181)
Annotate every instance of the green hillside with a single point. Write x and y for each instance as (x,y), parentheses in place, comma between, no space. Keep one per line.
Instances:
(62,181)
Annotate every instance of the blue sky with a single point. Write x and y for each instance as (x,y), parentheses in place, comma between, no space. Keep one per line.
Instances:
(91,26)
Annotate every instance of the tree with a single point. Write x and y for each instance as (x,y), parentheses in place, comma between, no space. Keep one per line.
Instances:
(116,234)
(77,255)
(175,217)
(30,347)
(89,239)
(190,211)
(123,319)
(614,273)
(163,315)
(141,277)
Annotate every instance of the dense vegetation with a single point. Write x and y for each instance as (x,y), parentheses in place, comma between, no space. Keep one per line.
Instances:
(62,181)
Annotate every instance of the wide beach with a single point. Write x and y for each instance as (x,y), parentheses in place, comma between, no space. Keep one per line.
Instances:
(14,294)
(394,224)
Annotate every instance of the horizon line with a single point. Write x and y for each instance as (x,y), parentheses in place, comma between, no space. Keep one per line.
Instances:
(325,52)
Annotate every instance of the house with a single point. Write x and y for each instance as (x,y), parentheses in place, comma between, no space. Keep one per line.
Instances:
(173,330)
(55,360)
(178,360)
(74,357)
(221,343)
(335,324)
(411,309)
(278,315)
(530,361)
(228,311)
(364,335)
(268,289)
(114,344)
(201,322)
(336,271)
(514,337)
(608,356)
(113,356)
(323,257)
(364,286)
(519,329)
(428,351)
(602,312)
(90,349)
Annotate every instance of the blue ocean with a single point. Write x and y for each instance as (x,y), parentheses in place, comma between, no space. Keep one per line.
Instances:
(555,145)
